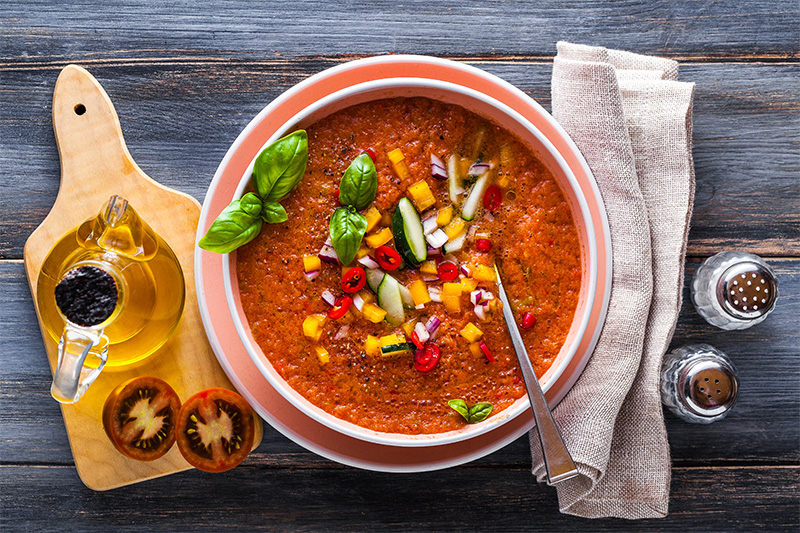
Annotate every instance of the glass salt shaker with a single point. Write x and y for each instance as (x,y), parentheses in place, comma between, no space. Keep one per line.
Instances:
(698,383)
(734,290)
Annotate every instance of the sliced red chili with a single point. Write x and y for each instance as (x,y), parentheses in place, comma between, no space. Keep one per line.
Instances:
(528,320)
(486,352)
(354,280)
(372,155)
(416,341)
(427,358)
(447,271)
(388,259)
(336,192)
(493,198)
(340,307)
(484,245)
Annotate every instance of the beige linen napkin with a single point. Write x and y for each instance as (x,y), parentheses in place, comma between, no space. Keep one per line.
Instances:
(632,121)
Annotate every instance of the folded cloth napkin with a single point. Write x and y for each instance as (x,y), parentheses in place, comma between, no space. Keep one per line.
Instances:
(632,121)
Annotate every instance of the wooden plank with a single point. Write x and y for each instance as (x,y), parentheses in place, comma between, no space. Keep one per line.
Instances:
(42,31)
(760,429)
(179,120)
(38,498)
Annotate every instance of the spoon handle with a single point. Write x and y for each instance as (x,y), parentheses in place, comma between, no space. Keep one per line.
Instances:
(557,459)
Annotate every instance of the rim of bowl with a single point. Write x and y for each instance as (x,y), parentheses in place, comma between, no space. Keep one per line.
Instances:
(402,439)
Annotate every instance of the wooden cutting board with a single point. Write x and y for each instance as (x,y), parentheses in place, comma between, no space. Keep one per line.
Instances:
(95,164)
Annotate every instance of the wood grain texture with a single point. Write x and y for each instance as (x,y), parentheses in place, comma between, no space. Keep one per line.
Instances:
(43,31)
(179,121)
(42,498)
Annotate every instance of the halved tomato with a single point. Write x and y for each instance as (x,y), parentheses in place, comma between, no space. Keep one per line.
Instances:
(139,417)
(216,428)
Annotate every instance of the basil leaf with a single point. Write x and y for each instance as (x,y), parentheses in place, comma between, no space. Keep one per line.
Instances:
(273,212)
(280,166)
(238,224)
(479,412)
(459,406)
(347,230)
(359,183)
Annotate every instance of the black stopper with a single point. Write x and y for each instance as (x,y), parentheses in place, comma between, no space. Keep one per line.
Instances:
(87,295)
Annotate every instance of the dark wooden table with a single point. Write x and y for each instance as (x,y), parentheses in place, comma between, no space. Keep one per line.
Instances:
(186,77)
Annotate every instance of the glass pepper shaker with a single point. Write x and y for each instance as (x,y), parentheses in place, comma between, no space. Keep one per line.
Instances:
(698,383)
(734,290)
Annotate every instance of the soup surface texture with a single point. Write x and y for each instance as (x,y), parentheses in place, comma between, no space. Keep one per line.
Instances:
(531,234)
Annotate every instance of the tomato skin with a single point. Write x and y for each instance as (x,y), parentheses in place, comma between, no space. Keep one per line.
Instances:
(123,433)
(215,410)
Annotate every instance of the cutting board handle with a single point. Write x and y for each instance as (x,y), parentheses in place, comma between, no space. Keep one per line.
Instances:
(83,115)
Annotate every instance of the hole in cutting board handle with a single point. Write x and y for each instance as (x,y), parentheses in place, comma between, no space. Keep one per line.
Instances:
(80,109)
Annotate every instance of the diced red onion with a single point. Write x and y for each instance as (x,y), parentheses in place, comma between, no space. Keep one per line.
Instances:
(430,278)
(488,217)
(369,262)
(434,252)
(464,269)
(475,297)
(480,312)
(342,333)
(479,168)
(420,306)
(487,295)
(429,225)
(328,297)
(437,238)
(435,293)
(450,258)
(432,324)
(437,168)
(311,276)
(328,254)
(422,332)
(358,301)
(472,230)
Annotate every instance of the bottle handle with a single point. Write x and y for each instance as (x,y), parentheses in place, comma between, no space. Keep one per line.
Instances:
(71,379)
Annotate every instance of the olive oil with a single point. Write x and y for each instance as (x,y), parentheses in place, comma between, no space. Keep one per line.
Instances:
(149,280)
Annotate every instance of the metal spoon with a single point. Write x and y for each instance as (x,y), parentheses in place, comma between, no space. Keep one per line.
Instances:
(557,460)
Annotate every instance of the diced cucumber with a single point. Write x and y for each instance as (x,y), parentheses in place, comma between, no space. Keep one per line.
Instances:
(405,295)
(455,244)
(454,180)
(475,197)
(394,349)
(408,235)
(374,279)
(390,300)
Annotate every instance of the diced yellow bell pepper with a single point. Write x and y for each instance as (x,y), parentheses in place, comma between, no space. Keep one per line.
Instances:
(445,215)
(312,326)
(396,155)
(419,292)
(322,354)
(469,284)
(421,195)
(503,181)
(475,348)
(455,227)
(367,296)
(372,346)
(379,239)
(393,338)
(373,217)
(484,273)
(373,313)
(408,326)
(311,263)
(362,252)
(428,267)
(471,332)
(451,297)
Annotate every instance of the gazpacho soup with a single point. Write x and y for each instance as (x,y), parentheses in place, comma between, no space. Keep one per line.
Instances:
(376,299)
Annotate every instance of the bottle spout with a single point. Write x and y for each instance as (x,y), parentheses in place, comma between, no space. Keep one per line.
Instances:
(119,229)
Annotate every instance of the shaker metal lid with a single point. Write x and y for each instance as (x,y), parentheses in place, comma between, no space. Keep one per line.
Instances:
(747,290)
(709,386)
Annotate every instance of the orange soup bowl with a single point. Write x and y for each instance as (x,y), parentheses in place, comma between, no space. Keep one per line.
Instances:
(536,129)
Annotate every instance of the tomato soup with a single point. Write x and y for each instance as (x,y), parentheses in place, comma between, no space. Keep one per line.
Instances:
(529,230)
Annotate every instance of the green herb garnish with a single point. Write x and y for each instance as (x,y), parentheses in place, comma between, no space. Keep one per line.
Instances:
(277,170)
(356,191)
(474,414)
(347,229)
